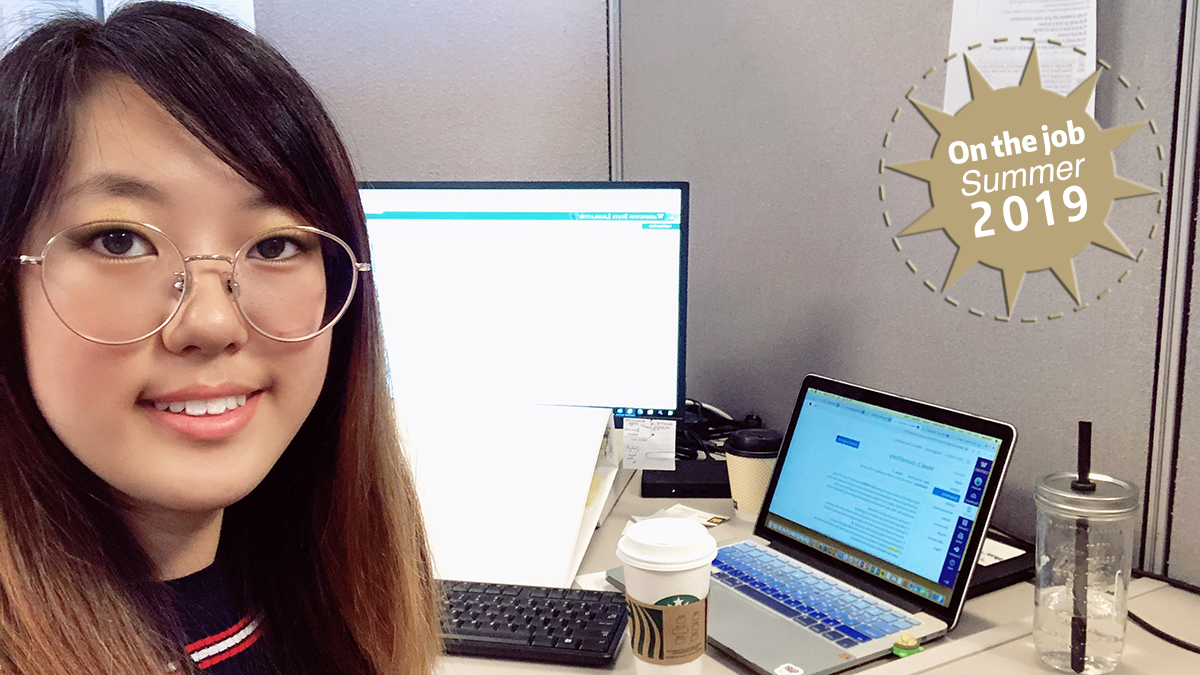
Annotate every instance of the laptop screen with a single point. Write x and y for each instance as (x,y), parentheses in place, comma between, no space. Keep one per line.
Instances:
(895,494)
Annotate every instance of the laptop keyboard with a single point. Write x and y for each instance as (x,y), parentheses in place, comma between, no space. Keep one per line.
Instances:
(830,608)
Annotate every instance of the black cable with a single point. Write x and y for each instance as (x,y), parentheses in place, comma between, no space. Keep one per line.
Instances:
(1160,634)
(1182,644)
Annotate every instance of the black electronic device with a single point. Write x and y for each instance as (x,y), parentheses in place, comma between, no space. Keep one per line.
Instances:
(703,478)
(700,469)
(532,623)
(993,574)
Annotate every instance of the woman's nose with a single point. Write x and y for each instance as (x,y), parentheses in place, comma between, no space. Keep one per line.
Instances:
(208,321)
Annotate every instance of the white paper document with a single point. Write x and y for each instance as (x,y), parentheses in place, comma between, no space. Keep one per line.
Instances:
(687,513)
(1071,22)
(649,444)
(505,490)
(994,552)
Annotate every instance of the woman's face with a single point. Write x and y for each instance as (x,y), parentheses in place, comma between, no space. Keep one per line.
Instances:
(132,161)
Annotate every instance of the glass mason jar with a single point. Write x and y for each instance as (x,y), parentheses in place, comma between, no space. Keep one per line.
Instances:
(1084,554)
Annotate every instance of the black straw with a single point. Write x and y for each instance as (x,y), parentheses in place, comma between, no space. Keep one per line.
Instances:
(1083,483)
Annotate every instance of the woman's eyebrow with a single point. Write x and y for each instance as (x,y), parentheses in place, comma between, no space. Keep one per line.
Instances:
(259,202)
(118,185)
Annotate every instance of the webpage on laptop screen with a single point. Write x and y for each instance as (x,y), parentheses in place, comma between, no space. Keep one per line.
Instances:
(902,489)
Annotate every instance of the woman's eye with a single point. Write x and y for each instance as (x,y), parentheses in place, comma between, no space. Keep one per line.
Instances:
(120,244)
(275,248)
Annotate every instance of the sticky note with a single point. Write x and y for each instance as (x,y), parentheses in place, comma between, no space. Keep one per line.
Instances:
(649,444)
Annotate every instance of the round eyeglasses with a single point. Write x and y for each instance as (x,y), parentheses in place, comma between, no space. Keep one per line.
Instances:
(117,282)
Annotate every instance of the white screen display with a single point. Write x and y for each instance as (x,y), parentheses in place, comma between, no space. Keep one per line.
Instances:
(550,295)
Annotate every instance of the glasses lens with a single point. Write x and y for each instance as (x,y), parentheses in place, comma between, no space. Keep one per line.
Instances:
(112,282)
(294,282)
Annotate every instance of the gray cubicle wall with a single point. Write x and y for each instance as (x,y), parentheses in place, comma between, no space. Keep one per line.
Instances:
(776,113)
(1185,530)
(456,89)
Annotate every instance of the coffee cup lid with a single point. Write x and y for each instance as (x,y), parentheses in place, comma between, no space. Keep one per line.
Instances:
(754,443)
(667,545)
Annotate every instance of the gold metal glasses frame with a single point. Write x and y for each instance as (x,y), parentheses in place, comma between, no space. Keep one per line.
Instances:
(184,276)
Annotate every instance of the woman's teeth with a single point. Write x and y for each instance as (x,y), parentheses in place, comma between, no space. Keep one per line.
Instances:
(212,406)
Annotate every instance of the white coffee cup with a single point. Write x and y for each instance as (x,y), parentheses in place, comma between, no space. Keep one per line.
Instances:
(750,458)
(667,566)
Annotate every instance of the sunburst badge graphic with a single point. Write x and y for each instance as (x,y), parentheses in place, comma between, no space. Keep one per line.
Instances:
(1022,179)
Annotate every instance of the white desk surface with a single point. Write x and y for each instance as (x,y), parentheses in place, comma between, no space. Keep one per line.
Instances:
(993,637)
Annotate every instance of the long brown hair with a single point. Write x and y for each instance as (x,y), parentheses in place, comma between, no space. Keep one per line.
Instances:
(330,545)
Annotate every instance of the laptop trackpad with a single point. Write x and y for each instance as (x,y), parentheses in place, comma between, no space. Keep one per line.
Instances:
(760,636)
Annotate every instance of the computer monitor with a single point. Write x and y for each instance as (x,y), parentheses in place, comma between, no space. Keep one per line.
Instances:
(563,293)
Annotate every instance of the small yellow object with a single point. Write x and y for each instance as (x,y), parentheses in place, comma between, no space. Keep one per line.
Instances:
(907,645)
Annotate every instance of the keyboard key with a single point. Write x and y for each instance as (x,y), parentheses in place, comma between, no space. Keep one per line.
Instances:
(871,631)
(858,635)
(887,628)
(847,643)
(768,601)
(593,644)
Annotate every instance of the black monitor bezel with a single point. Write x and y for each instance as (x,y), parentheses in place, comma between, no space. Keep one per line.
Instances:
(994,428)
(682,186)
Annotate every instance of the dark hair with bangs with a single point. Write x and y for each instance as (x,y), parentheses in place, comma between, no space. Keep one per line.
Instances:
(330,545)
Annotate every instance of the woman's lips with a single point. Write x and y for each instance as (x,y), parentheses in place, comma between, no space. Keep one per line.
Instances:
(207,419)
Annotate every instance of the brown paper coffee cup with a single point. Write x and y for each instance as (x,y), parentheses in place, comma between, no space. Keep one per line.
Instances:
(671,631)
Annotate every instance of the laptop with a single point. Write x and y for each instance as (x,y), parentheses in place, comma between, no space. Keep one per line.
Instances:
(870,529)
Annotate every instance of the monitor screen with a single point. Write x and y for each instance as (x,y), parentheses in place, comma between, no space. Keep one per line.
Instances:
(550,293)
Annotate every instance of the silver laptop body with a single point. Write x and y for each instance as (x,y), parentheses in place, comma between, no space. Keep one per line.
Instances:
(886,500)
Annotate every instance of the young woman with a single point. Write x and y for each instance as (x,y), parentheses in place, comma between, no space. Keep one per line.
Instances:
(198,461)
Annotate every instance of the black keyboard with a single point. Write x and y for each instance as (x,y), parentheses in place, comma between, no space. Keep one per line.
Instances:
(531,623)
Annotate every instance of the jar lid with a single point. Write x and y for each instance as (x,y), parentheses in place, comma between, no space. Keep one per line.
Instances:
(1113,496)
(754,443)
(667,545)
